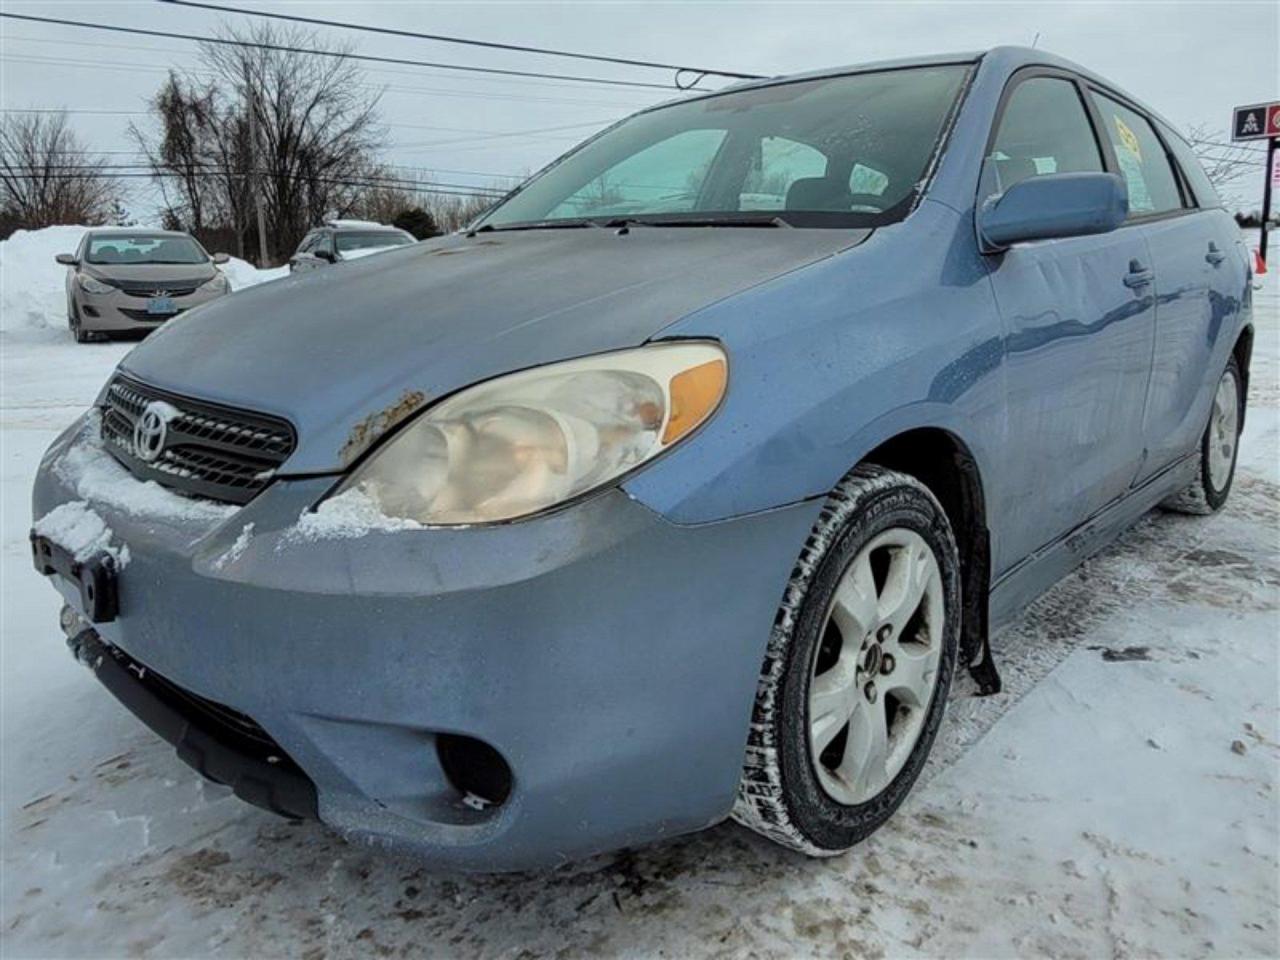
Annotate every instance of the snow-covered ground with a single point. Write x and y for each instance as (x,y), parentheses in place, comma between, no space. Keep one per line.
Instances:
(1119,799)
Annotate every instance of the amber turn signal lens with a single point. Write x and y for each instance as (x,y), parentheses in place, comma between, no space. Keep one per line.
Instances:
(695,394)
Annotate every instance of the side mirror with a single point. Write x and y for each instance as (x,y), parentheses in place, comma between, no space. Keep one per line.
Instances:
(221,258)
(1052,206)
(67,259)
(326,255)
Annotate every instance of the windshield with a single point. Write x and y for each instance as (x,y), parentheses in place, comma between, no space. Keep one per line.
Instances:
(369,241)
(836,151)
(142,248)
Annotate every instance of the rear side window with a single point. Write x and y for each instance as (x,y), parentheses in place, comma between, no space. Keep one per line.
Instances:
(1205,194)
(1044,129)
(1153,186)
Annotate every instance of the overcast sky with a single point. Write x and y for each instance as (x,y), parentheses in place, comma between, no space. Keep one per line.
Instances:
(1192,61)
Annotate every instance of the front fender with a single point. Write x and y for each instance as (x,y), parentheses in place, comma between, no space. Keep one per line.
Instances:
(830,361)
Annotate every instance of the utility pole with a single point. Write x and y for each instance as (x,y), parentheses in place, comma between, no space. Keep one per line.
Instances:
(254,175)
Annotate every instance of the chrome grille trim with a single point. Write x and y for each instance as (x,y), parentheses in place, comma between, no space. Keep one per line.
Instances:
(211,451)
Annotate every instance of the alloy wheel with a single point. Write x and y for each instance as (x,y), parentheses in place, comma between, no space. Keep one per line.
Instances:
(1224,429)
(876,666)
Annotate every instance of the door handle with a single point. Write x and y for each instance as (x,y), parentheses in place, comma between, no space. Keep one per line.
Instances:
(1214,256)
(1138,275)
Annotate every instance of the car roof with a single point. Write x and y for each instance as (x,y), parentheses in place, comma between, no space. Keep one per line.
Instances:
(127,231)
(364,226)
(1006,59)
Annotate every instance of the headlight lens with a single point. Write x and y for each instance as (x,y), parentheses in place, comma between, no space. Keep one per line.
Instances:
(218,284)
(92,285)
(522,443)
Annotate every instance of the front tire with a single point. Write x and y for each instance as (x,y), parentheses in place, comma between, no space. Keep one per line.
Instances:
(1219,448)
(76,324)
(858,667)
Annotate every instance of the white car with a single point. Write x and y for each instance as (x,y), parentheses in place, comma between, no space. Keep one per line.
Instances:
(345,240)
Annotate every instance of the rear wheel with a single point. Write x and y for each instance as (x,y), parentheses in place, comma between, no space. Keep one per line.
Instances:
(859,664)
(1219,446)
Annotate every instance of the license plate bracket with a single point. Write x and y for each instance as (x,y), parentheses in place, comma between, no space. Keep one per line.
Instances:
(97,577)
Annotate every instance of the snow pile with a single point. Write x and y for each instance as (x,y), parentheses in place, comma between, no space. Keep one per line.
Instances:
(33,297)
(243,274)
(95,475)
(349,514)
(75,527)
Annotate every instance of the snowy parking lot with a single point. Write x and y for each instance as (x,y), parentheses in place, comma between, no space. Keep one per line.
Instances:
(1119,798)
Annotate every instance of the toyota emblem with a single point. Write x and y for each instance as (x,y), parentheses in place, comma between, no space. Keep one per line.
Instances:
(149,432)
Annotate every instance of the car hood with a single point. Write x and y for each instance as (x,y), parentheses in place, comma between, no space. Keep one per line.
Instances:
(157,273)
(347,352)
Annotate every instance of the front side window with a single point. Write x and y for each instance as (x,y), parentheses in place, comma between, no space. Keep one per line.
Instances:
(1044,129)
(142,248)
(1153,186)
(834,151)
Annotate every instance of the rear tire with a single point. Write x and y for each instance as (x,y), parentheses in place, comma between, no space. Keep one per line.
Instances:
(850,641)
(1219,448)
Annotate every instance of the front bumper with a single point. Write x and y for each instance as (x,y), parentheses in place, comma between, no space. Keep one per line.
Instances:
(610,656)
(120,312)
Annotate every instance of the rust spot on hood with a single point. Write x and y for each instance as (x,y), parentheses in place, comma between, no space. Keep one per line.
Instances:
(366,432)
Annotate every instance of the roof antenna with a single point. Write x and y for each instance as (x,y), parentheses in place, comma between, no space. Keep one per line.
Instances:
(1035,41)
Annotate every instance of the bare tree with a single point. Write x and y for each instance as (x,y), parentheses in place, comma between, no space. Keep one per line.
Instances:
(388,195)
(316,124)
(299,129)
(48,176)
(1224,162)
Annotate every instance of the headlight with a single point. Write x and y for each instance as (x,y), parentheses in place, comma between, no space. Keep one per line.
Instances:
(525,442)
(91,285)
(218,284)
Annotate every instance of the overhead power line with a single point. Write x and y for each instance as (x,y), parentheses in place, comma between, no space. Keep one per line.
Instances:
(367,58)
(679,68)
(77,171)
(346,182)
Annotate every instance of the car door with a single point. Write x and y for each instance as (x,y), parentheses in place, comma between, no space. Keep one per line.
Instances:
(1078,323)
(1197,281)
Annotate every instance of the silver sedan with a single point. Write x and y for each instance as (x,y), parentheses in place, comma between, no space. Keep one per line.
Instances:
(131,281)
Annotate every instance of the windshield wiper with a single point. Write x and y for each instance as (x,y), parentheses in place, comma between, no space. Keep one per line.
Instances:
(535,225)
(770,221)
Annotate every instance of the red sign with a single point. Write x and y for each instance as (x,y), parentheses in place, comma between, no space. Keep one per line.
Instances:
(1273,120)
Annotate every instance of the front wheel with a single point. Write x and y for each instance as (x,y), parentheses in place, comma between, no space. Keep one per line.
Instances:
(1219,446)
(859,663)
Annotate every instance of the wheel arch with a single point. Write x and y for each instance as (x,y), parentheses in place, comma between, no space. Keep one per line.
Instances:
(1242,350)
(944,463)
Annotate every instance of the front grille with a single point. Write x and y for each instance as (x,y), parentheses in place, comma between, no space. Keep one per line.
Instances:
(148,317)
(159,288)
(207,450)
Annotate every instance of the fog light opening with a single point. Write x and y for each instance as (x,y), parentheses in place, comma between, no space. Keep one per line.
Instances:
(475,770)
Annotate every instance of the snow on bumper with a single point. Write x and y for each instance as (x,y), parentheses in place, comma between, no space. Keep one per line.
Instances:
(608,655)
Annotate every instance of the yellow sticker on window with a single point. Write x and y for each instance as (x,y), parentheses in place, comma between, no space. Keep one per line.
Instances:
(1127,137)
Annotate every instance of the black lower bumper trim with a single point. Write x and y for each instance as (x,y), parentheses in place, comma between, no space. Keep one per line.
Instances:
(257,773)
